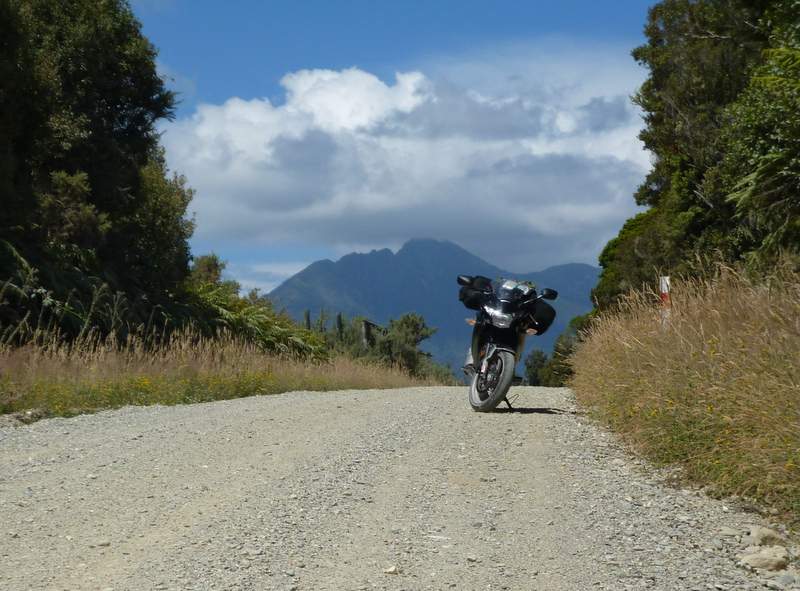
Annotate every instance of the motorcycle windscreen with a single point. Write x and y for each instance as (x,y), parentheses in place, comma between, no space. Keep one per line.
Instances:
(544,314)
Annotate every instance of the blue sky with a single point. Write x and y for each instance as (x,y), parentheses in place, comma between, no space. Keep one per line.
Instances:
(312,129)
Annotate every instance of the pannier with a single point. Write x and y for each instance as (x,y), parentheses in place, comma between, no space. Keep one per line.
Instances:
(544,314)
(472,295)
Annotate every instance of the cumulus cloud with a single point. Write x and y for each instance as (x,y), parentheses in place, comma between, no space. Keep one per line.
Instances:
(527,160)
(263,276)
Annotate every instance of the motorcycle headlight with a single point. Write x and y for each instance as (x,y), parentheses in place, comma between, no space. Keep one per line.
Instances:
(499,319)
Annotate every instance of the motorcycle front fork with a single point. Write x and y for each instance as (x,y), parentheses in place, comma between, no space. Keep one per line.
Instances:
(473,354)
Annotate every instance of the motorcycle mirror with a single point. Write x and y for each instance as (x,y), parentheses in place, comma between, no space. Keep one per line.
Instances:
(464,280)
(548,294)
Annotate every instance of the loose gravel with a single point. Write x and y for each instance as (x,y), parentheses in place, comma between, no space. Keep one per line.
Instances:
(387,489)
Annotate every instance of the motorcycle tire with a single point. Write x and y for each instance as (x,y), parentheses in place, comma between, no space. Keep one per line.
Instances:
(487,401)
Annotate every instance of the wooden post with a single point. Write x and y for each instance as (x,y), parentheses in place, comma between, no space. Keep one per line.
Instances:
(368,329)
(366,333)
(339,327)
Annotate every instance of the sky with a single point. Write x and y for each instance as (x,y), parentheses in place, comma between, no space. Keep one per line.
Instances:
(312,129)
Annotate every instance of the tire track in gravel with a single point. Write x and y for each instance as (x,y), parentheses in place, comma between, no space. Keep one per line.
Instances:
(393,489)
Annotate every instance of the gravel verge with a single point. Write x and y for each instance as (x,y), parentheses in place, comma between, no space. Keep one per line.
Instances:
(385,489)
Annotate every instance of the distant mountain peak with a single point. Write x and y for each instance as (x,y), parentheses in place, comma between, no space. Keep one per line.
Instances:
(375,253)
(427,243)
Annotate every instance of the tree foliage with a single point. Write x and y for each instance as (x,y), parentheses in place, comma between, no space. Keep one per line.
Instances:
(721,120)
(87,199)
(534,363)
(556,370)
(399,344)
(764,140)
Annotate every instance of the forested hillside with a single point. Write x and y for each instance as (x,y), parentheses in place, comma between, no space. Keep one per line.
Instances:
(722,120)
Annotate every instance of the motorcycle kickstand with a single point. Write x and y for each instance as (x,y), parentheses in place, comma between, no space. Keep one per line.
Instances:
(508,403)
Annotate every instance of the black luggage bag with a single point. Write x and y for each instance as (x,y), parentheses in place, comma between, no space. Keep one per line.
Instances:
(472,295)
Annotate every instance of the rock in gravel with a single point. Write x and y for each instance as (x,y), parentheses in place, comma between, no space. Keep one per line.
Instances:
(763,536)
(787,579)
(392,570)
(771,558)
(728,532)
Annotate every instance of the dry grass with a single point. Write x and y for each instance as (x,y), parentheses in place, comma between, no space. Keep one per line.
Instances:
(715,390)
(58,379)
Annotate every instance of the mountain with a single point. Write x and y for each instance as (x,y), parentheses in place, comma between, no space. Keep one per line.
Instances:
(421,277)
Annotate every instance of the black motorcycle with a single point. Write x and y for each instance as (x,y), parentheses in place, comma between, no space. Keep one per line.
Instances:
(507,311)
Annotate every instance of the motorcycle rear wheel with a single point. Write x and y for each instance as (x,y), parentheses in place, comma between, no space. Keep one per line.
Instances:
(484,397)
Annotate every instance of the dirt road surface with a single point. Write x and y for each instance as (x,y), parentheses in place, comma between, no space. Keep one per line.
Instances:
(389,489)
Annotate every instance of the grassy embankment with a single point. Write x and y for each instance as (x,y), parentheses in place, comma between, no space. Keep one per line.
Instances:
(715,390)
(88,375)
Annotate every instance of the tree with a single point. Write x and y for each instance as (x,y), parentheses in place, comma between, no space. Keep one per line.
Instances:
(700,55)
(763,140)
(87,198)
(339,327)
(399,345)
(153,239)
(21,121)
(557,370)
(534,363)
(207,268)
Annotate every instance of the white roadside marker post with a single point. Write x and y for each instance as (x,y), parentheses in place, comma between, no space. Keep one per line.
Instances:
(666,304)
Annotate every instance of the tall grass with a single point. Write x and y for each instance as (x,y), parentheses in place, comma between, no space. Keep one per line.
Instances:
(56,377)
(714,389)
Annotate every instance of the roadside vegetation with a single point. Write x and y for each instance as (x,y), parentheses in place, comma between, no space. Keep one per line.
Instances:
(90,374)
(714,388)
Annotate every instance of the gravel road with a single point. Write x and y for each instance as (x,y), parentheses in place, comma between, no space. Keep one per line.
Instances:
(389,489)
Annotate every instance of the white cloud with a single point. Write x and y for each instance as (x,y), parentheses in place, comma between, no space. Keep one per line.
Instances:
(350,99)
(264,276)
(525,157)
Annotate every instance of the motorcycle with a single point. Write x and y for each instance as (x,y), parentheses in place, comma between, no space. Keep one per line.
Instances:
(506,312)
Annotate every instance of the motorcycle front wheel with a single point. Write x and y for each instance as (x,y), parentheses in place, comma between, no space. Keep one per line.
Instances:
(487,390)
